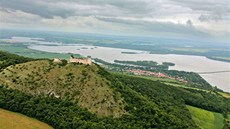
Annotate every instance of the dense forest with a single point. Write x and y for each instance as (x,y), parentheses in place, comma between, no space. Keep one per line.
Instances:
(159,92)
(8,59)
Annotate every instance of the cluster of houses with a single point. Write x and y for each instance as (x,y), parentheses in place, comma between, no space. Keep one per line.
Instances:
(158,74)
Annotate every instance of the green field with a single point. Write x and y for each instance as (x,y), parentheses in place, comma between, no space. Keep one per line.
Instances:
(12,120)
(206,119)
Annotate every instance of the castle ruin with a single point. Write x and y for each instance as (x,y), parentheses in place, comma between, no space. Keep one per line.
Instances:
(86,61)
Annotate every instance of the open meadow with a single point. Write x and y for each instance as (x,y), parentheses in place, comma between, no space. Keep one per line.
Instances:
(206,119)
(12,120)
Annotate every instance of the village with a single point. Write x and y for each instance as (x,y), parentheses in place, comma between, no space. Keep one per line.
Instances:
(137,70)
(155,74)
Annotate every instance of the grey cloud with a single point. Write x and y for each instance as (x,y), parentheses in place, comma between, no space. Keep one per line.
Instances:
(214,10)
(204,5)
(165,27)
(208,18)
(120,13)
(128,8)
(189,23)
(41,8)
(51,8)
(117,20)
(5,10)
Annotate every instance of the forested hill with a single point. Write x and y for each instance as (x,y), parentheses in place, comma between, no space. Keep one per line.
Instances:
(7,59)
(82,96)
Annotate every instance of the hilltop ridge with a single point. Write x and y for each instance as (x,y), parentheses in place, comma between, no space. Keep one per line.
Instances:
(78,83)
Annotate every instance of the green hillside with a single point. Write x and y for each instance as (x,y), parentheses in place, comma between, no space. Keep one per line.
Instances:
(74,82)
(206,119)
(87,96)
(158,92)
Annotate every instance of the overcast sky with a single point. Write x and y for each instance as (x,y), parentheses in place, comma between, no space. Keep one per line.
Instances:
(169,18)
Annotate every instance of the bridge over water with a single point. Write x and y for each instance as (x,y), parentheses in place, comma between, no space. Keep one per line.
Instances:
(213,72)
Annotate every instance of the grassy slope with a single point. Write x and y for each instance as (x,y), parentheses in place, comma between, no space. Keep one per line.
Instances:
(206,119)
(11,120)
(226,95)
(78,83)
